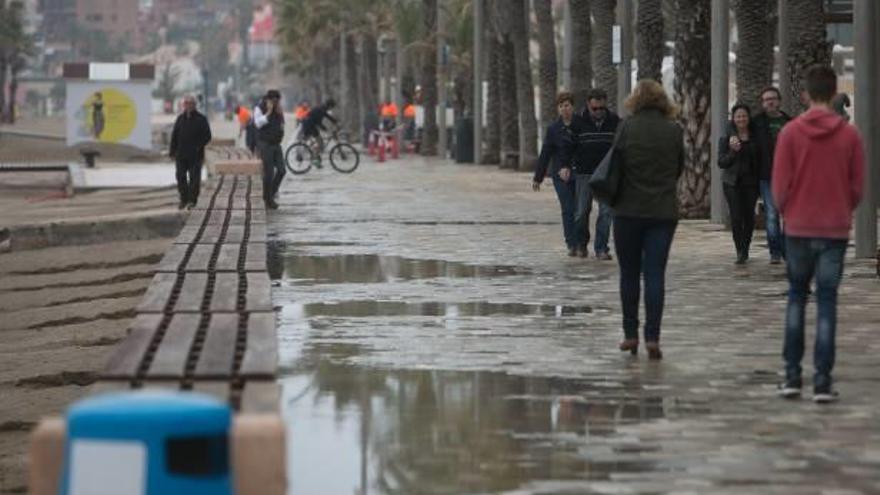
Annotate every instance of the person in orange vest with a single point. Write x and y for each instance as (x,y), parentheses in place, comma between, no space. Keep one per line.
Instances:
(301,111)
(409,111)
(389,115)
(244,116)
(409,121)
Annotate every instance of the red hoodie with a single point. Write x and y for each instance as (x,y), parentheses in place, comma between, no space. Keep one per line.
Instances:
(818,175)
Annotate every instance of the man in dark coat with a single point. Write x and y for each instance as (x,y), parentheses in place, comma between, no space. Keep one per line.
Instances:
(188,140)
(767,125)
(269,121)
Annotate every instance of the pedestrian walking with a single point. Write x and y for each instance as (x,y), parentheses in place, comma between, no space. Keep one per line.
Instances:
(269,121)
(817,183)
(596,132)
(651,158)
(555,160)
(189,137)
(739,158)
(767,126)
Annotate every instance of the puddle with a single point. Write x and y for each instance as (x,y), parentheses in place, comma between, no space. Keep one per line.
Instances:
(371,268)
(399,431)
(358,309)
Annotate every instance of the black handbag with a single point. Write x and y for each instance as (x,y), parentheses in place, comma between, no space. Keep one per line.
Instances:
(605,181)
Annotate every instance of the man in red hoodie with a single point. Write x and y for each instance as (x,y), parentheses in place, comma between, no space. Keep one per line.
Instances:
(817,182)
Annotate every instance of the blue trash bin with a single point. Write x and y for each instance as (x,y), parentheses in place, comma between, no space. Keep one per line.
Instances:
(148,443)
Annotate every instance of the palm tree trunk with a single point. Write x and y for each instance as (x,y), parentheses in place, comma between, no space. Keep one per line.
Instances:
(604,70)
(755,48)
(649,46)
(581,70)
(508,108)
(525,89)
(809,46)
(547,67)
(692,93)
(492,151)
(429,81)
(353,120)
(369,82)
(3,68)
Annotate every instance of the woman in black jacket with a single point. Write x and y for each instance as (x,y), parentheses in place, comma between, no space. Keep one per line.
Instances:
(739,157)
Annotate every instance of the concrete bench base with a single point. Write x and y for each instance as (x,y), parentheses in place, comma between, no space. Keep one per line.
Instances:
(257,446)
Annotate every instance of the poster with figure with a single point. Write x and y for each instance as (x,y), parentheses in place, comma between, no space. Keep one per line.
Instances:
(109,112)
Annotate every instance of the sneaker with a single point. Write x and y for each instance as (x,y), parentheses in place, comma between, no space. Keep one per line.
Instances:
(182,205)
(604,256)
(776,260)
(790,389)
(271,204)
(824,394)
(572,251)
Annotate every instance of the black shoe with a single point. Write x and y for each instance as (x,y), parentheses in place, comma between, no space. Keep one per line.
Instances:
(182,205)
(572,251)
(776,260)
(791,388)
(604,256)
(582,252)
(824,394)
(271,204)
(741,259)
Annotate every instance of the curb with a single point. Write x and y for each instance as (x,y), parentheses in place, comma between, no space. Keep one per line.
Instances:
(148,226)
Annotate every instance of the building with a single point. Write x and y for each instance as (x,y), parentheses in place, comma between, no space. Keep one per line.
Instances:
(117,18)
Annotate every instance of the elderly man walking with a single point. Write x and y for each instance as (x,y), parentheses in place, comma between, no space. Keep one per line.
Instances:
(188,140)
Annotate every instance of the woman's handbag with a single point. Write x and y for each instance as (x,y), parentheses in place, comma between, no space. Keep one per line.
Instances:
(605,181)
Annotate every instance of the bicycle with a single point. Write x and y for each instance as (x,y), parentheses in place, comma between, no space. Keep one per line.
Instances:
(302,155)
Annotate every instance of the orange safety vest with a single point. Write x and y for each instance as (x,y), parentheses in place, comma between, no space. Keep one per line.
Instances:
(389,111)
(301,112)
(409,111)
(244,115)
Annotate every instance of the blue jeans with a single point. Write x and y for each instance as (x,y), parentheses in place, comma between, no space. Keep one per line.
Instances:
(582,217)
(806,258)
(642,246)
(567,194)
(774,230)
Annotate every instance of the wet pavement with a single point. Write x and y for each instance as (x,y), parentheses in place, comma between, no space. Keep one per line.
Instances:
(436,339)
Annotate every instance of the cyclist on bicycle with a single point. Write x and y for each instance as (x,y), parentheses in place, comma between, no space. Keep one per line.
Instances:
(313,124)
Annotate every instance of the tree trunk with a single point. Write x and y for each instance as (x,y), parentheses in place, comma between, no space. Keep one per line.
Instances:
(547,67)
(353,120)
(429,80)
(492,136)
(369,82)
(525,89)
(581,70)
(755,49)
(508,108)
(604,69)
(3,69)
(809,46)
(692,93)
(650,44)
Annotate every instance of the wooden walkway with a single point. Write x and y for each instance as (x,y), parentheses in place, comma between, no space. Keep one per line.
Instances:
(206,322)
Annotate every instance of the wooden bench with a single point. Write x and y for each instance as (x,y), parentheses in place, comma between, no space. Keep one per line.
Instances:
(205,324)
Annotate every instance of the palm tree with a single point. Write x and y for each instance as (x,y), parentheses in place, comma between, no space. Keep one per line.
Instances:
(604,70)
(692,93)
(809,44)
(525,89)
(754,53)
(429,80)
(581,70)
(650,44)
(508,108)
(492,150)
(547,66)
(15,47)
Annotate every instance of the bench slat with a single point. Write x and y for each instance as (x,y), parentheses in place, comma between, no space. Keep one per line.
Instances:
(172,259)
(259,292)
(225,297)
(261,352)
(218,352)
(192,293)
(170,358)
(128,355)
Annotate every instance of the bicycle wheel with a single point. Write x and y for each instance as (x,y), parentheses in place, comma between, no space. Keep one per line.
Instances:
(298,158)
(344,158)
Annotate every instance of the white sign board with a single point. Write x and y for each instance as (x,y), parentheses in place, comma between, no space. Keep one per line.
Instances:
(616,52)
(109,112)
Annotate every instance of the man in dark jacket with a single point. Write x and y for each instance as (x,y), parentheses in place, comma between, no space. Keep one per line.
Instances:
(269,121)
(767,125)
(556,155)
(597,127)
(314,122)
(188,140)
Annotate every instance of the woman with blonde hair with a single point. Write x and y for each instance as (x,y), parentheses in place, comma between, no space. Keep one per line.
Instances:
(651,158)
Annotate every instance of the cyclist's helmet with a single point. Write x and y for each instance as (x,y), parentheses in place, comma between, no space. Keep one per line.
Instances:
(330,103)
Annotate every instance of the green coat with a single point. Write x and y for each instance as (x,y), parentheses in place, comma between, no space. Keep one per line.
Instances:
(652,159)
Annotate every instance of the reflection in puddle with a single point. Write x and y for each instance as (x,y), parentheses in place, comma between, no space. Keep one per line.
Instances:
(371,268)
(389,431)
(361,309)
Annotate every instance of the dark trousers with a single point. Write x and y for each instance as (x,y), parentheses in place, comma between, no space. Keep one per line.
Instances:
(566,192)
(189,179)
(273,169)
(822,260)
(741,201)
(642,246)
